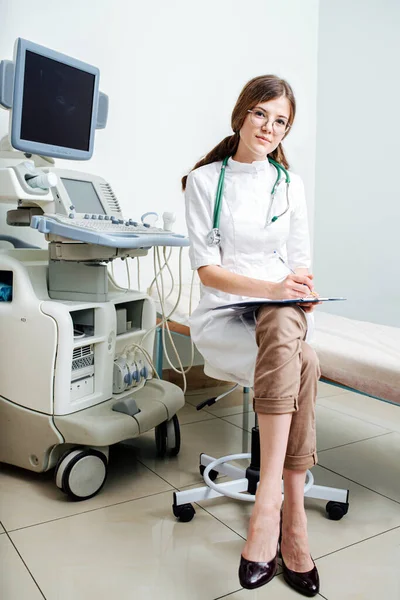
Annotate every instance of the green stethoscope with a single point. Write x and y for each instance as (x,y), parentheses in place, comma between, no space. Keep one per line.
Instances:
(214,237)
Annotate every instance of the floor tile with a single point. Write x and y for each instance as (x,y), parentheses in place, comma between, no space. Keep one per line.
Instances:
(15,580)
(193,397)
(366,571)
(277,589)
(369,514)
(325,390)
(336,429)
(373,463)
(231,404)
(132,550)
(189,414)
(369,409)
(333,428)
(28,498)
(215,437)
(243,420)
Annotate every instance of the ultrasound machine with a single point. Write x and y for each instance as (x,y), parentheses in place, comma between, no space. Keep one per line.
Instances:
(76,374)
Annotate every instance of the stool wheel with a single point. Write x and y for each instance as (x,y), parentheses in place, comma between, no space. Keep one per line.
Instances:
(337,510)
(184,512)
(212,474)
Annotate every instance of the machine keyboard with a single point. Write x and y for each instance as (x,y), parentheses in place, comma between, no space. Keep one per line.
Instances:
(108,226)
(110,231)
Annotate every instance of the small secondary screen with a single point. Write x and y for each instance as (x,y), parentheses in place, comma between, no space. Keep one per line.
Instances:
(83,196)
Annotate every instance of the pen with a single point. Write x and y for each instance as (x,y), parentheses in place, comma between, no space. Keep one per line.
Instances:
(291,270)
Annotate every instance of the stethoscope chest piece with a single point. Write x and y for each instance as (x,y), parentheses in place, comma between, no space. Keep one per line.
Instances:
(214,237)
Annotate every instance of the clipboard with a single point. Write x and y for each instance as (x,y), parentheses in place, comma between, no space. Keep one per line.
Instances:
(250,305)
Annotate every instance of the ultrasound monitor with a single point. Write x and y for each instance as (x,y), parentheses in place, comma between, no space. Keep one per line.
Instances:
(55,103)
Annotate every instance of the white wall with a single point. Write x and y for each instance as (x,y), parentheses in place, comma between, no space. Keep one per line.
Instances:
(173,71)
(357,216)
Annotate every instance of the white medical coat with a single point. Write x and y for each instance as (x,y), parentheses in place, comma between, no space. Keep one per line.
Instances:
(227,341)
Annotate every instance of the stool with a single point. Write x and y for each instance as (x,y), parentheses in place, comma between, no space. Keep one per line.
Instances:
(243,482)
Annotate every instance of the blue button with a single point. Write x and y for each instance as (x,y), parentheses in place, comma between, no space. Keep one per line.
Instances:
(71,215)
(94,216)
(72,207)
(101,217)
(146,224)
(87,216)
(107,218)
(136,376)
(144,372)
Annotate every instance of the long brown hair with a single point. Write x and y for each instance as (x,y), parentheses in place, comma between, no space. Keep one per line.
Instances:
(257,90)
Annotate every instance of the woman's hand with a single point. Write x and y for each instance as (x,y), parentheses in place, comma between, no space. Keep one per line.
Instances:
(308,308)
(293,287)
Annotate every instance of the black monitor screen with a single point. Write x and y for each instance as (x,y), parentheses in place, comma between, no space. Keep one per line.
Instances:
(57,103)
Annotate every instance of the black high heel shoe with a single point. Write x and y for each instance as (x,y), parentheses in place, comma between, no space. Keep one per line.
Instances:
(306,583)
(254,574)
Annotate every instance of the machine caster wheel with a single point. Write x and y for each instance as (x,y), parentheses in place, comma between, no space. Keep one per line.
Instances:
(212,474)
(337,510)
(168,437)
(81,473)
(184,512)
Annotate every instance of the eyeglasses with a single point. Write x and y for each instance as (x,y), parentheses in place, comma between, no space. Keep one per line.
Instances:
(260,119)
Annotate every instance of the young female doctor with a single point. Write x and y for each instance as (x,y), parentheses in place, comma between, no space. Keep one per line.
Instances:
(262,214)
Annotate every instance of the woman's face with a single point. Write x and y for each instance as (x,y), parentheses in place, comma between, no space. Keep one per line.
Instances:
(258,137)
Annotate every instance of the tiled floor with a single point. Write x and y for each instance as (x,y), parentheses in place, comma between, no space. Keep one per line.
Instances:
(125,542)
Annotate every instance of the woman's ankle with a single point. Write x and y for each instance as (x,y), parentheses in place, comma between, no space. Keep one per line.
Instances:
(294,512)
(271,501)
(294,519)
(262,512)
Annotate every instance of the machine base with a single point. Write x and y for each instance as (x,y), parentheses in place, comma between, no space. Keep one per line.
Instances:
(35,441)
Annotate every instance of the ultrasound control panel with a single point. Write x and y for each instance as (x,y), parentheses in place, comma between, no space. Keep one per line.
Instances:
(86,209)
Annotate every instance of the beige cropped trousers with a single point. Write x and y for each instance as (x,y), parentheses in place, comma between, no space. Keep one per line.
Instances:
(285,381)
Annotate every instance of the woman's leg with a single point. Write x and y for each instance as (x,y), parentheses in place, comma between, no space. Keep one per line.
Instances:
(294,547)
(279,333)
(301,450)
(263,530)
(301,455)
